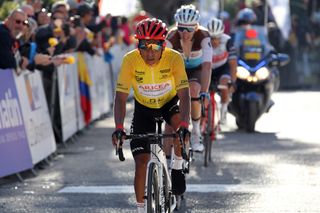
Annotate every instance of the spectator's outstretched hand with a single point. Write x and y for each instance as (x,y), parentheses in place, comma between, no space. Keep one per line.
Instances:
(42,59)
(58,60)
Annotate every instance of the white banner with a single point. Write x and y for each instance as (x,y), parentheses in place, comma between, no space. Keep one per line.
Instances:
(67,97)
(35,115)
(281,12)
(92,68)
(103,84)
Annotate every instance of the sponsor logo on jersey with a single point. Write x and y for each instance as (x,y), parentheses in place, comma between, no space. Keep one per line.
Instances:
(137,72)
(155,90)
(219,57)
(165,71)
(164,76)
(139,79)
(121,87)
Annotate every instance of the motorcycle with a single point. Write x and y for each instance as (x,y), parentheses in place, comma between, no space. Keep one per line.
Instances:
(256,81)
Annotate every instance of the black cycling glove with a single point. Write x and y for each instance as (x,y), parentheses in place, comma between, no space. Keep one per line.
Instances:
(119,133)
(183,132)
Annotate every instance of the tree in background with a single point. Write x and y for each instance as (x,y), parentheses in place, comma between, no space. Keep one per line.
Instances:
(6,7)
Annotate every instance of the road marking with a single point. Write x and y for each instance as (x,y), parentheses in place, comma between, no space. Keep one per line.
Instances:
(199,188)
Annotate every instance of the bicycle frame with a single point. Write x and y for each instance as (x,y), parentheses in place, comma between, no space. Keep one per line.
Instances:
(209,125)
(158,158)
(156,165)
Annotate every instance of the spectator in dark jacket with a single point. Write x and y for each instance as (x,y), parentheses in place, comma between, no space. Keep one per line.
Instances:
(10,30)
(12,51)
(84,35)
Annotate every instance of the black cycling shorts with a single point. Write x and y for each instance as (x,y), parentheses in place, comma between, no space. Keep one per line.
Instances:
(144,122)
(194,75)
(217,73)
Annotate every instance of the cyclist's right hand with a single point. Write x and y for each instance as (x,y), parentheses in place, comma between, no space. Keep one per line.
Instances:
(184,136)
(183,133)
(118,134)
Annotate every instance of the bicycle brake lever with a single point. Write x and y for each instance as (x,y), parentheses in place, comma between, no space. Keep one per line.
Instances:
(121,156)
(119,148)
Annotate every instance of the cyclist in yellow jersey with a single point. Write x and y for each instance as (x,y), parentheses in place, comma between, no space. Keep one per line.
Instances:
(158,78)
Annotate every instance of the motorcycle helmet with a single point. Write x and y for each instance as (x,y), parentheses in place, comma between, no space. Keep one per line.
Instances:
(246,16)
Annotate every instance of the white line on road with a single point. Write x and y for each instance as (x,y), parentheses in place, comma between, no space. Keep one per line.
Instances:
(200,188)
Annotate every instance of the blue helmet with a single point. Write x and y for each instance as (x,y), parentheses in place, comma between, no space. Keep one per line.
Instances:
(246,15)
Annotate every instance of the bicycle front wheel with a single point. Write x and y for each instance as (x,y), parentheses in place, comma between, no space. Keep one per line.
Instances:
(207,136)
(153,201)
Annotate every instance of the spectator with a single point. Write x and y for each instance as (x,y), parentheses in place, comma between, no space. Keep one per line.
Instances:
(225,17)
(125,30)
(10,30)
(12,52)
(62,7)
(258,7)
(28,10)
(42,17)
(73,5)
(83,34)
(29,31)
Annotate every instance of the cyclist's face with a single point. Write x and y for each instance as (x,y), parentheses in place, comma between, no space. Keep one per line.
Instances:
(150,51)
(215,41)
(186,32)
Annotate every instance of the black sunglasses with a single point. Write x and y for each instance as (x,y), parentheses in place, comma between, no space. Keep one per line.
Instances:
(188,29)
(24,22)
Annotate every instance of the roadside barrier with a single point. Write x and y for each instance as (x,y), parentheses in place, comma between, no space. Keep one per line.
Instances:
(26,130)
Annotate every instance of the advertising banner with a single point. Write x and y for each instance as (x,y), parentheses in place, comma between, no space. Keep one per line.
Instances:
(93,70)
(103,84)
(67,97)
(14,150)
(35,115)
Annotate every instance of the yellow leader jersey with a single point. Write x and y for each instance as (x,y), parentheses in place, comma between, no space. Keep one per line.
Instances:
(154,85)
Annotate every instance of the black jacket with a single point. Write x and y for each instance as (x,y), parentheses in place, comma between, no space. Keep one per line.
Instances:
(8,46)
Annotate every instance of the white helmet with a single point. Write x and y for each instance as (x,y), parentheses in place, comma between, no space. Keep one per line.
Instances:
(187,14)
(215,27)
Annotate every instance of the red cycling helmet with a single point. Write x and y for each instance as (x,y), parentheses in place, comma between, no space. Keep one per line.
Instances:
(151,28)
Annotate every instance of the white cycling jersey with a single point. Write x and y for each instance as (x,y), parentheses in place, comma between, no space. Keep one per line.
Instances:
(201,50)
(224,52)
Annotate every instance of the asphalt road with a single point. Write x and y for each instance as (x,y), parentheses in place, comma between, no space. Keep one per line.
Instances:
(275,169)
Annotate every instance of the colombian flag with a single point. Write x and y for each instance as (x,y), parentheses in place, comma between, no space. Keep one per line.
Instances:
(84,84)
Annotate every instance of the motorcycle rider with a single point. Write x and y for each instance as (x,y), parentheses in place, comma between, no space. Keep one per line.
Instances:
(251,41)
(224,63)
(247,35)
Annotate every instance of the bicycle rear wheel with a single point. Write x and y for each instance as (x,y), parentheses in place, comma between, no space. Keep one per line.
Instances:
(153,201)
